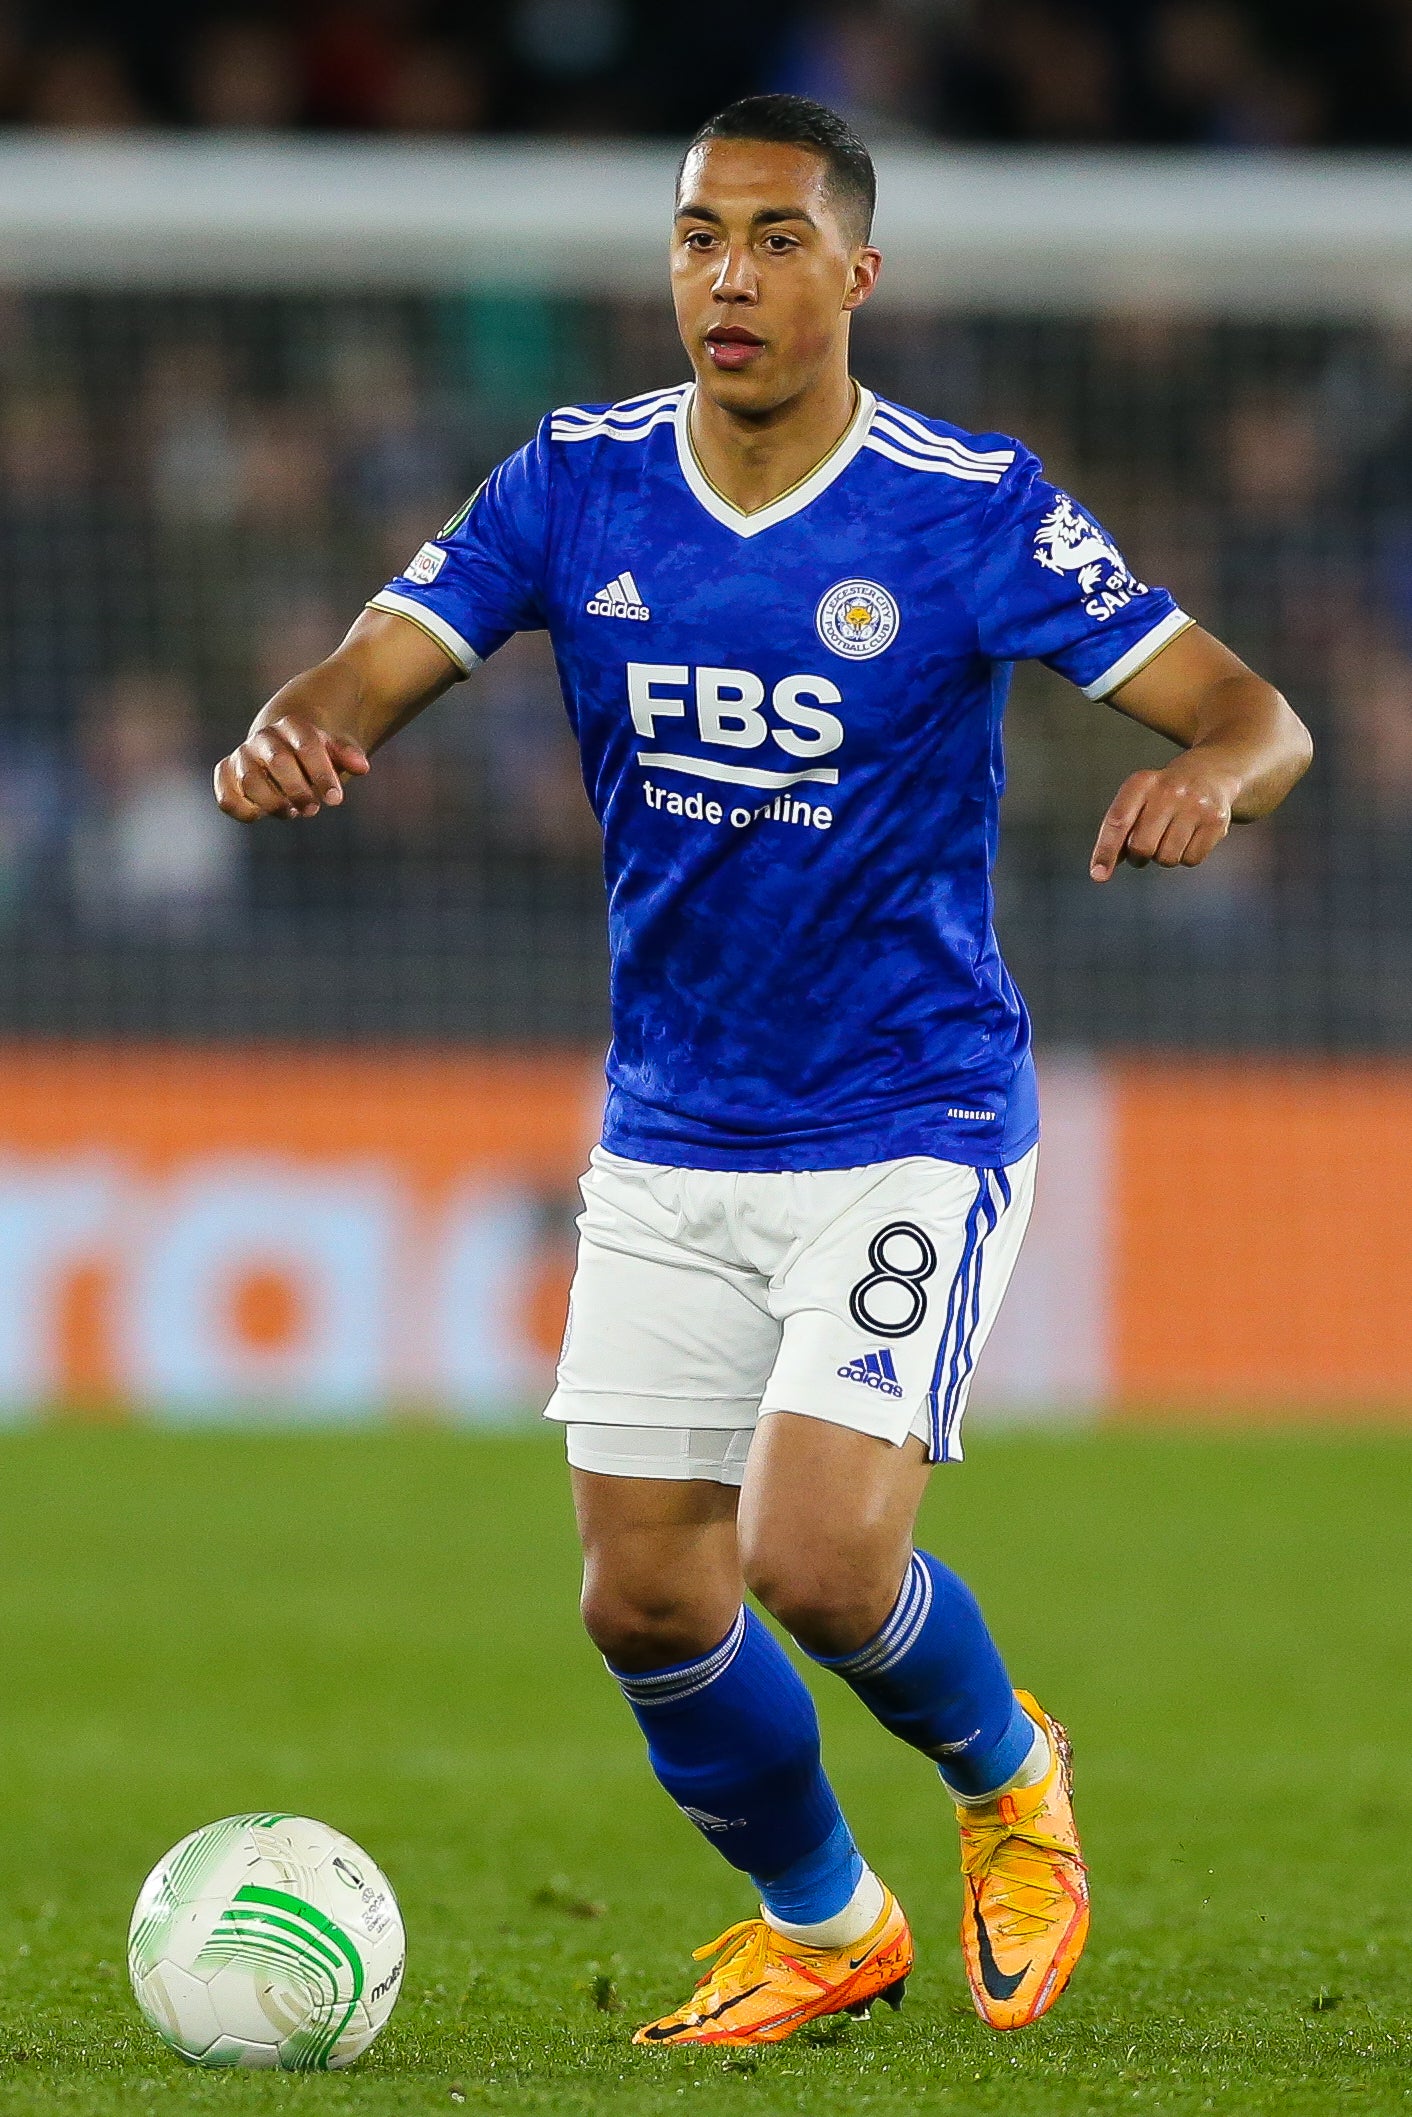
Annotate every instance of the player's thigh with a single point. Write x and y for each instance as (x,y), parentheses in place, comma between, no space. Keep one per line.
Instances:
(621,1502)
(662,1576)
(886,1309)
(826,1526)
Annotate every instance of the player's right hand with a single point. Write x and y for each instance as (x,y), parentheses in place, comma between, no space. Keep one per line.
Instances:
(290,767)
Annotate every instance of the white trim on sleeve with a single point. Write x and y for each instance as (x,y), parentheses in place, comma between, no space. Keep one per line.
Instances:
(1139,656)
(446,636)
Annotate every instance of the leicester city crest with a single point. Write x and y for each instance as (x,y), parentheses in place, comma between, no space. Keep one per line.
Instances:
(857,619)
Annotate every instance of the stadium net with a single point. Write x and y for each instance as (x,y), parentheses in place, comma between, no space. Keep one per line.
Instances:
(229,416)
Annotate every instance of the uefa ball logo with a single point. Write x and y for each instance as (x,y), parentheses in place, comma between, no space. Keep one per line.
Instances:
(858,619)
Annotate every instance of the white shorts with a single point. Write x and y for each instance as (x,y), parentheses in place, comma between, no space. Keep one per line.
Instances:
(703,1299)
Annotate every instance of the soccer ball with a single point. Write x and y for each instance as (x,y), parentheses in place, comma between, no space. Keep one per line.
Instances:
(266,1941)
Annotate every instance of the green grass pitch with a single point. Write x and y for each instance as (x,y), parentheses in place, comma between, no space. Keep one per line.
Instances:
(380,1630)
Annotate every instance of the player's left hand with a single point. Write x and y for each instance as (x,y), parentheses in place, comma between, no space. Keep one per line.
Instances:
(1175,817)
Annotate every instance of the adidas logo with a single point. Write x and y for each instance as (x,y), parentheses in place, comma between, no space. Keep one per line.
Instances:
(704,1820)
(874,1371)
(621,598)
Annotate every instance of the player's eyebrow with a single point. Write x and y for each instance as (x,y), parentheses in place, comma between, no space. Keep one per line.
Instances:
(767,217)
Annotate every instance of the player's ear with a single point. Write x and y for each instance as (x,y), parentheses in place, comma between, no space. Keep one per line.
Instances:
(862,276)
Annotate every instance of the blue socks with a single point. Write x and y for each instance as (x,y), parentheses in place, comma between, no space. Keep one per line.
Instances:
(734,1739)
(934,1677)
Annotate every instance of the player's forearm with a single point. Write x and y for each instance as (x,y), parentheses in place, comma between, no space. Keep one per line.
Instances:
(342,697)
(319,729)
(382,675)
(1251,735)
(1242,746)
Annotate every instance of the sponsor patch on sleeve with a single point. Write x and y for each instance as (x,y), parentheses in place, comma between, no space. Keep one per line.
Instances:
(1068,541)
(426,565)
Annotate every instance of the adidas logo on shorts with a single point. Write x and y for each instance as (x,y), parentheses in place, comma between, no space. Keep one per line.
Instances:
(874,1371)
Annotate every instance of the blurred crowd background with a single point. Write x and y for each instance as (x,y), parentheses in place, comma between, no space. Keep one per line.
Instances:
(1235,73)
(197,494)
(199,491)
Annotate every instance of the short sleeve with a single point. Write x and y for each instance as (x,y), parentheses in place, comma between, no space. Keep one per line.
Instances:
(1052,586)
(482,578)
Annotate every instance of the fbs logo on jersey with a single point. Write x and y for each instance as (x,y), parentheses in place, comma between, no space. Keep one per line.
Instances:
(857,619)
(621,598)
(874,1371)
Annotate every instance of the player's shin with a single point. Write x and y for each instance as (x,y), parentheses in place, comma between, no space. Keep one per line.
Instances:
(934,1677)
(734,1739)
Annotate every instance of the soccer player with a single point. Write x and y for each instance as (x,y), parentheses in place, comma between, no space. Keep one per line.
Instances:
(784,613)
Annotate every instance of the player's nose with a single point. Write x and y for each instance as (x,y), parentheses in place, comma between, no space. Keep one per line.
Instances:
(737,279)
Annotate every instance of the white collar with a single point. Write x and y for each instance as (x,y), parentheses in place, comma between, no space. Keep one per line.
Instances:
(790,503)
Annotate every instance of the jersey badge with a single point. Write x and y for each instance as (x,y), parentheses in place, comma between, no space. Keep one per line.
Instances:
(463,514)
(426,565)
(621,598)
(1068,542)
(857,619)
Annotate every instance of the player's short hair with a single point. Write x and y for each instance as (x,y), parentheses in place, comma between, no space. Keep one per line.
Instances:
(798,121)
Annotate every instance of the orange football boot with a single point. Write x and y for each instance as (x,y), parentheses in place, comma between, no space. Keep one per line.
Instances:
(1026,1913)
(763,1987)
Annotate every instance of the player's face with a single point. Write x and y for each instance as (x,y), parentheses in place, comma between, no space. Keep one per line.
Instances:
(765,272)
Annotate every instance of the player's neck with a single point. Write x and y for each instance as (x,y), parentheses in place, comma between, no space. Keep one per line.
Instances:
(753,460)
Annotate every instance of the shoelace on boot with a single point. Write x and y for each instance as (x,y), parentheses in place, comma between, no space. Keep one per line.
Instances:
(747,1950)
(1000,1853)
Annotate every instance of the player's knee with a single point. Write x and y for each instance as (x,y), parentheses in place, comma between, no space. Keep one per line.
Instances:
(638,1628)
(824,1606)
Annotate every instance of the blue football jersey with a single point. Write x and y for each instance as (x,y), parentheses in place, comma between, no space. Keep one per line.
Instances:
(790,726)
